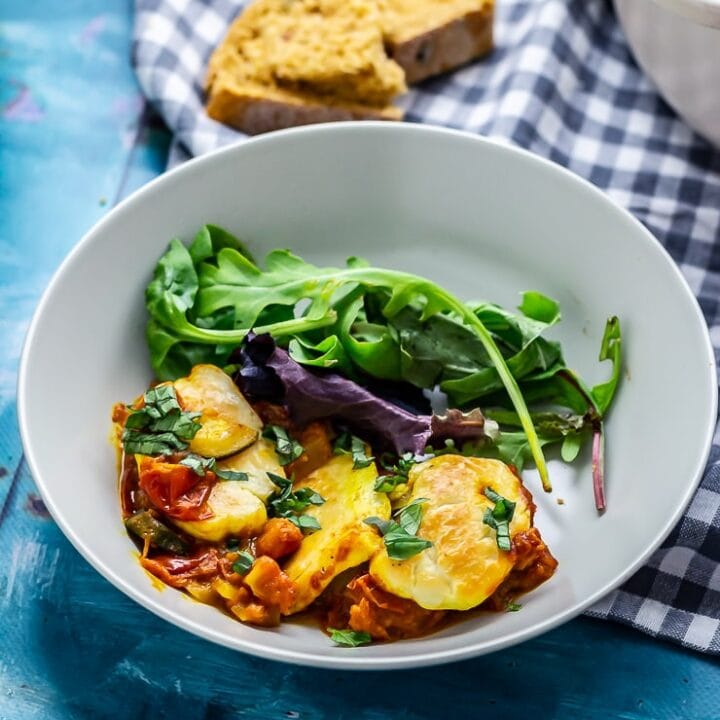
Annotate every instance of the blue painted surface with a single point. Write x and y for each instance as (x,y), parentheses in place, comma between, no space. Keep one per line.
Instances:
(75,138)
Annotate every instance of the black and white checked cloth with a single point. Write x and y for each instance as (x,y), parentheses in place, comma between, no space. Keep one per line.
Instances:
(562,84)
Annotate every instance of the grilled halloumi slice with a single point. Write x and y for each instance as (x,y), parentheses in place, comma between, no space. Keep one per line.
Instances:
(344,540)
(464,566)
(228,422)
(238,506)
(235,512)
(257,461)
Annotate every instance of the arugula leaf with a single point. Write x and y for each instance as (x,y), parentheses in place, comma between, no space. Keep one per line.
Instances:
(540,307)
(610,349)
(185,287)
(286,448)
(387,324)
(349,638)
(499,518)
(160,427)
(244,562)
(348,444)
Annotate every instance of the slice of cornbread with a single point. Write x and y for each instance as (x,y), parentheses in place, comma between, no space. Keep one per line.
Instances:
(294,62)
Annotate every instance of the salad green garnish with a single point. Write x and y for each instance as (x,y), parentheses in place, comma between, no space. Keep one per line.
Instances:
(386,324)
(161,426)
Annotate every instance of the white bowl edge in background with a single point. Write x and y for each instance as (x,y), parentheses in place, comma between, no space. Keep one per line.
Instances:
(677,44)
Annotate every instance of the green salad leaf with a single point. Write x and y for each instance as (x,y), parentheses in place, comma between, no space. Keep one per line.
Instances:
(386,324)
(197,290)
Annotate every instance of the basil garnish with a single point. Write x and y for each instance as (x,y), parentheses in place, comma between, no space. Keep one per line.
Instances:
(399,536)
(349,638)
(161,427)
(286,448)
(499,518)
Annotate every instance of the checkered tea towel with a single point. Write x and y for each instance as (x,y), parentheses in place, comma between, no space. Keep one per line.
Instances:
(561,83)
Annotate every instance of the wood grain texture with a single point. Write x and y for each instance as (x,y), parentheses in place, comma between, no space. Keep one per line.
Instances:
(74,137)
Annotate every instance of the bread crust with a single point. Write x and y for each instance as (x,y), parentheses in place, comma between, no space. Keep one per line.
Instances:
(446,47)
(254,114)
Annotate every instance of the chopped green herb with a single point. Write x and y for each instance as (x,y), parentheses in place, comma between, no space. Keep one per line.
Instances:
(198,464)
(499,518)
(160,427)
(348,444)
(307,523)
(410,516)
(349,638)
(397,472)
(232,475)
(288,504)
(286,448)
(400,539)
(512,607)
(243,563)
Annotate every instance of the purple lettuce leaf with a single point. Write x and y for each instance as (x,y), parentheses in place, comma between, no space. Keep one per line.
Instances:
(313,395)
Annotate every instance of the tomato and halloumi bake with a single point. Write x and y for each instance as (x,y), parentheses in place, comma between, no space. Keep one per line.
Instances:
(245,510)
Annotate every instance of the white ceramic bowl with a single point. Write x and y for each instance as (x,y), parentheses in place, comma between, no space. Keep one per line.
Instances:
(486,220)
(677,43)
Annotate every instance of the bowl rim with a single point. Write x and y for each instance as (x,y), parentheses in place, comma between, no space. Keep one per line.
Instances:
(703,12)
(355,660)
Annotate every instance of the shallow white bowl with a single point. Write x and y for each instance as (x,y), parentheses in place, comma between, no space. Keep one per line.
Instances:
(486,220)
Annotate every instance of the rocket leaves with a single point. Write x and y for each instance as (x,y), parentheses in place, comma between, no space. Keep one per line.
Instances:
(366,321)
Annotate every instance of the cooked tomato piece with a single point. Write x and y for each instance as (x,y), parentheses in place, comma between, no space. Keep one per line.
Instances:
(369,608)
(178,571)
(270,584)
(249,610)
(175,489)
(534,564)
(279,538)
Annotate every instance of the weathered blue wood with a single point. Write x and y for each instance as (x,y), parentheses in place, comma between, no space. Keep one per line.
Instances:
(75,137)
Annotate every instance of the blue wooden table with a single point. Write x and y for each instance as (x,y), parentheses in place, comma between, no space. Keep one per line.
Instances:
(75,138)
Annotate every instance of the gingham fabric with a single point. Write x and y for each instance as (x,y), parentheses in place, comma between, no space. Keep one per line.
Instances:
(561,83)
